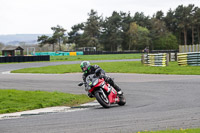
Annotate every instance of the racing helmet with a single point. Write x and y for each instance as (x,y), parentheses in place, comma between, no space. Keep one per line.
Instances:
(85,66)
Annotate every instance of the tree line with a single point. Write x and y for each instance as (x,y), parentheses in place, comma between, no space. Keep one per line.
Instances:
(122,31)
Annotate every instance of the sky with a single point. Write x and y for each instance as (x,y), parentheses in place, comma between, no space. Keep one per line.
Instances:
(38,16)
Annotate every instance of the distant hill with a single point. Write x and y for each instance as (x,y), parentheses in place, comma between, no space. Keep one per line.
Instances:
(16,39)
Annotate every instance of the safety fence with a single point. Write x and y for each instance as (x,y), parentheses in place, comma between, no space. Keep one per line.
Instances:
(59,53)
(189,48)
(127,52)
(190,58)
(66,53)
(160,59)
(8,59)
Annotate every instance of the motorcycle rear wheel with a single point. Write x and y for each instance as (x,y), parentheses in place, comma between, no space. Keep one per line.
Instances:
(102,99)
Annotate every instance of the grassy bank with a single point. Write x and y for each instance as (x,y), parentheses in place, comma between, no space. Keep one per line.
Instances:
(197,130)
(95,57)
(118,67)
(18,100)
(89,57)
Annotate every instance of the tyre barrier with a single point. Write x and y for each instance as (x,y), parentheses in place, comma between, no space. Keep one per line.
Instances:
(190,58)
(7,59)
(155,59)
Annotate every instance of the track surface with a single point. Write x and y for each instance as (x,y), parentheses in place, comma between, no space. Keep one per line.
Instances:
(154,102)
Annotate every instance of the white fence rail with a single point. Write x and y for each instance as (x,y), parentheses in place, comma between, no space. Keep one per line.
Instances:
(189,48)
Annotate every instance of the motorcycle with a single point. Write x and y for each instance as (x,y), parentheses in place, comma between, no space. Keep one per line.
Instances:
(102,91)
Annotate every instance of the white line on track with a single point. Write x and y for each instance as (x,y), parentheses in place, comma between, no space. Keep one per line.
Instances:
(48,110)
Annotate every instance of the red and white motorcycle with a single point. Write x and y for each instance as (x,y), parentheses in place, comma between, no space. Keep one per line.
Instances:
(102,91)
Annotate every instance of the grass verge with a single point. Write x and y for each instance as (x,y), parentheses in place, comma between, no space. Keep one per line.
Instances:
(18,100)
(197,130)
(88,57)
(118,67)
(95,57)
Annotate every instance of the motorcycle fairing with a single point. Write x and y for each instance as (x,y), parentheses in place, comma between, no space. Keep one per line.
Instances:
(113,98)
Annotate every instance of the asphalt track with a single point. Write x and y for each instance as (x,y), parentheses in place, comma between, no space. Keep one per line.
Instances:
(154,102)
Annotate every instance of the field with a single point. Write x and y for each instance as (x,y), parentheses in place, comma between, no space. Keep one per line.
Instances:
(175,131)
(118,67)
(96,57)
(18,100)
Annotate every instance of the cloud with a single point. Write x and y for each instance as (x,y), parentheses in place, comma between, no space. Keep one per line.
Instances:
(38,16)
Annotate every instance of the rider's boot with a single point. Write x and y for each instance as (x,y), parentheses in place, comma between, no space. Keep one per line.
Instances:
(119,92)
(112,83)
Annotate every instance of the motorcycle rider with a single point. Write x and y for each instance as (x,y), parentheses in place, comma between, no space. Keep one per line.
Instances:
(90,69)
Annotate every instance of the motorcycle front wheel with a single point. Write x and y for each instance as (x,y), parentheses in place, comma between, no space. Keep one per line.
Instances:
(102,99)
(122,100)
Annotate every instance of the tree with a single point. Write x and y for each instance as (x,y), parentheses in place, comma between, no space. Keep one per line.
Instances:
(192,20)
(183,15)
(197,23)
(141,19)
(75,35)
(43,40)
(132,35)
(91,29)
(58,38)
(112,32)
(170,21)
(157,30)
(159,15)
(126,19)
(166,42)
(138,37)
(143,38)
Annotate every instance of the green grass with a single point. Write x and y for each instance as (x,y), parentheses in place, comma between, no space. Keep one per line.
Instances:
(118,67)
(197,130)
(18,100)
(96,57)
(88,57)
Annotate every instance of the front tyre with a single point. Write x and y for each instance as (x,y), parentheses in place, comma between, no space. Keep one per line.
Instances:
(122,100)
(102,99)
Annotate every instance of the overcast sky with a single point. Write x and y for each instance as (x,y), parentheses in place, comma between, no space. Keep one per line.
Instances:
(38,16)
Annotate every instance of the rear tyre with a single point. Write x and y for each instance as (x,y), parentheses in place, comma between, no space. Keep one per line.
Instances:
(122,100)
(102,99)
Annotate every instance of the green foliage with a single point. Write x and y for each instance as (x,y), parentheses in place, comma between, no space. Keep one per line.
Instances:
(58,38)
(143,38)
(117,32)
(96,57)
(18,100)
(75,35)
(133,35)
(92,30)
(166,42)
(111,33)
(138,37)
(141,19)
